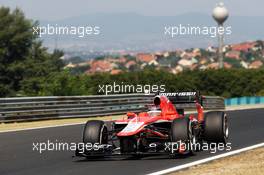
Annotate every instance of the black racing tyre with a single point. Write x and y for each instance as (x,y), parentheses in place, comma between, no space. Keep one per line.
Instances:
(181,130)
(216,127)
(95,131)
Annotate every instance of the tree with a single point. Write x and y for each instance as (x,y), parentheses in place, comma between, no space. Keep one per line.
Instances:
(15,41)
(24,62)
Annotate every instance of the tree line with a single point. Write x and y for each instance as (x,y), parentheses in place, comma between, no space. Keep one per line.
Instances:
(225,82)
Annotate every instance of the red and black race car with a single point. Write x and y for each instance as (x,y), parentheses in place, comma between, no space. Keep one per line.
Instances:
(163,129)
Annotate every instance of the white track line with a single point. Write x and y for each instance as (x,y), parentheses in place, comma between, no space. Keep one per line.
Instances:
(180,167)
(71,124)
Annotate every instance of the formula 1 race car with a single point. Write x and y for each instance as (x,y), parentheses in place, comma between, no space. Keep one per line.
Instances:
(163,129)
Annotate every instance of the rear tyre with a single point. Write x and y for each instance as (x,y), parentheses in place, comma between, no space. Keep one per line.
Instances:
(95,131)
(182,132)
(216,127)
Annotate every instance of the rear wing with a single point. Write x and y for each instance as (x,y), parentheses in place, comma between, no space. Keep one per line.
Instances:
(183,97)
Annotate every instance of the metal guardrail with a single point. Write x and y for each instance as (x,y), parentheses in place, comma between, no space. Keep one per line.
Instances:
(39,108)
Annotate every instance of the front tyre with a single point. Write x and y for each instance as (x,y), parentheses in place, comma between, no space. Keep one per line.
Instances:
(182,134)
(95,132)
(216,127)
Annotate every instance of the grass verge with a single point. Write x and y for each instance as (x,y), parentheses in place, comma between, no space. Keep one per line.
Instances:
(247,163)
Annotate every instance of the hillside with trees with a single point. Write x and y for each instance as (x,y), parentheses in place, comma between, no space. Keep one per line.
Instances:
(28,69)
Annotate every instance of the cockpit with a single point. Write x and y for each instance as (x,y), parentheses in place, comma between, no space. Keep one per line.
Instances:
(154,111)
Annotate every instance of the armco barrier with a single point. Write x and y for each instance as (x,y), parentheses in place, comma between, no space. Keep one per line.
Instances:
(244,101)
(39,108)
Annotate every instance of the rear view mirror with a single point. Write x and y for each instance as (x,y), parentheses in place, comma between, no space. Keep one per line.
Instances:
(131,115)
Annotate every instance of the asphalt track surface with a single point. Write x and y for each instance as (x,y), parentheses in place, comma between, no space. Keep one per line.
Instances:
(17,156)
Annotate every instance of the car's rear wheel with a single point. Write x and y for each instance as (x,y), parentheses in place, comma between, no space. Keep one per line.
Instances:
(216,127)
(182,134)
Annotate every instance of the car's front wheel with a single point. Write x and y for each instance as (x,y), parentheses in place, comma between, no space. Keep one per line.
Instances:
(182,135)
(216,127)
(95,132)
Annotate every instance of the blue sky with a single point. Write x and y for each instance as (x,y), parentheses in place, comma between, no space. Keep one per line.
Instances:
(60,9)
